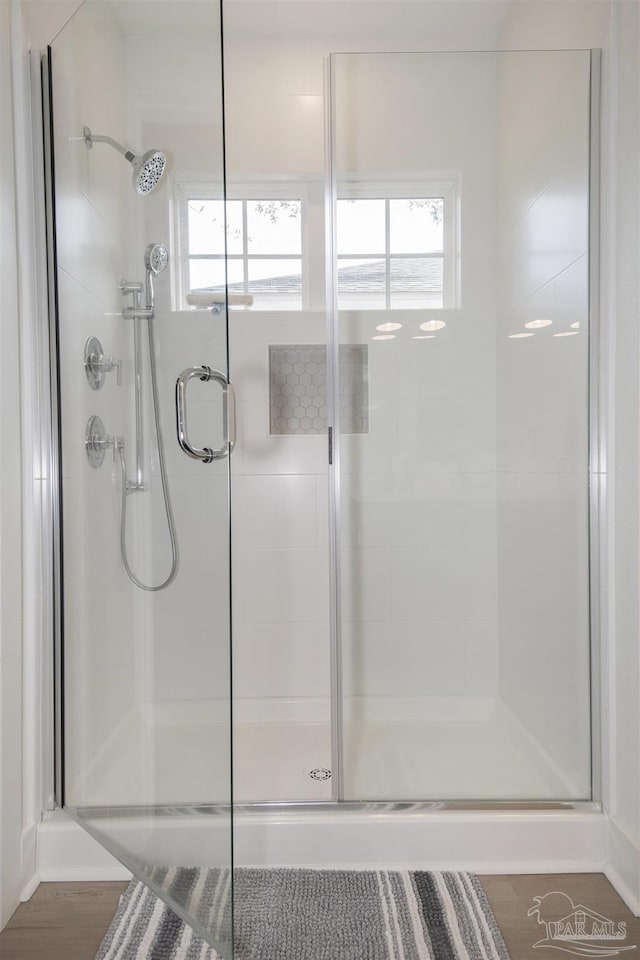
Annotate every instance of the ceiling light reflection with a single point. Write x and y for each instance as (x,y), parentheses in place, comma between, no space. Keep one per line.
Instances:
(538,324)
(433,325)
(388,327)
(567,333)
(425,336)
(385,336)
(575,325)
(520,336)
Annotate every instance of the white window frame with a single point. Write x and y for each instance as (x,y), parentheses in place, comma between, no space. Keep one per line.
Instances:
(357,187)
(351,186)
(186,189)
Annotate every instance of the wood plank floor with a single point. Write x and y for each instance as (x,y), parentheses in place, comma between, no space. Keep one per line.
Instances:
(62,921)
(66,921)
(512,896)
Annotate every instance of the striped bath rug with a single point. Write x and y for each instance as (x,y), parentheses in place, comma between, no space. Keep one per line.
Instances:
(300,914)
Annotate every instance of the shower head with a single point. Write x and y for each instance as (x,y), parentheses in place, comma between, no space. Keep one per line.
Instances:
(147,170)
(156,257)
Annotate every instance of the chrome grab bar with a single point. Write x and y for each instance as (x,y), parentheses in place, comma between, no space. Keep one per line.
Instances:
(206,454)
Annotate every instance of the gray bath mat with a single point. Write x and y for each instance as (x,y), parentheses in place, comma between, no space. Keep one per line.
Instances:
(291,914)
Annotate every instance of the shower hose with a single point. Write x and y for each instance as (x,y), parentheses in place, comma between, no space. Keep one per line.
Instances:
(165,485)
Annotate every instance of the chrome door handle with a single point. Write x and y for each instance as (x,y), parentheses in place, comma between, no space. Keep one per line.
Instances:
(206,454)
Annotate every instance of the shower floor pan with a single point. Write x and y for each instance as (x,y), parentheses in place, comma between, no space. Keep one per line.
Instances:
(178,754)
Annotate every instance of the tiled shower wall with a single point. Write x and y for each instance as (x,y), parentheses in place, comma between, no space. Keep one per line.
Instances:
(421,602)
(280,535)
(419,535)
(187,635)
(93,192)
(543,404)
(279,483)
(403,517)
(419,554)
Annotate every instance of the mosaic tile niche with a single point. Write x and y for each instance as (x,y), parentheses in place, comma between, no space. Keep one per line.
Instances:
(298,388)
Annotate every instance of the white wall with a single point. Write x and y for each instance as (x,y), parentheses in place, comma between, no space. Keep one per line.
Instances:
(92,195)
(11,760)
(128,651)
(26,612)
(279,494)
(275,105)
(622,729)
(543,403)
(419,542)
(174,104)
(624,679)
(406,634)
(419,517)
(614,28)
(275,129)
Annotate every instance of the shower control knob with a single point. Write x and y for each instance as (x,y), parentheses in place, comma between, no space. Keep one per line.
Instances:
(97,441)
(96,365)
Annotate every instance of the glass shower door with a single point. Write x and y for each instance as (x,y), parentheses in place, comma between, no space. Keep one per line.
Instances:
(462,276)
(138,198)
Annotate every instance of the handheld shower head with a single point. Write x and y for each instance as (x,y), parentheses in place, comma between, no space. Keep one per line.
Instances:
(147,170)
(156,258)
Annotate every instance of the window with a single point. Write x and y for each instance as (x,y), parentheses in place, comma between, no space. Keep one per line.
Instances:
(396,247)
(396,244)
(263,246)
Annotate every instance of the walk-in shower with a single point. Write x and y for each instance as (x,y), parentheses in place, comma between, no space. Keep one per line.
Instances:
(389,529)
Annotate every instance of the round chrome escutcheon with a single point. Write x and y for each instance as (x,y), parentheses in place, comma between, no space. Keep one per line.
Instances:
(94,441)
(93,363)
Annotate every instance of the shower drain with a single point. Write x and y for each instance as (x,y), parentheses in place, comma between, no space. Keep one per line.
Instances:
(319,773)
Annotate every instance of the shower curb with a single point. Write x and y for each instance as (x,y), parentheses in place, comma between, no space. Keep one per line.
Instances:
(482,842)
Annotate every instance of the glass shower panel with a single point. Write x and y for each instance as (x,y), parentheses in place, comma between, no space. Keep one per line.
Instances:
(275,167)
(464,504)
(145,645)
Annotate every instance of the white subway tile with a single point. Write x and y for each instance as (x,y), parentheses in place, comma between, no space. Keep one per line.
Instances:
(444,583)
(405,659)
(280,585)
(482,657)
(366,584)
(274,512)
(281,660)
